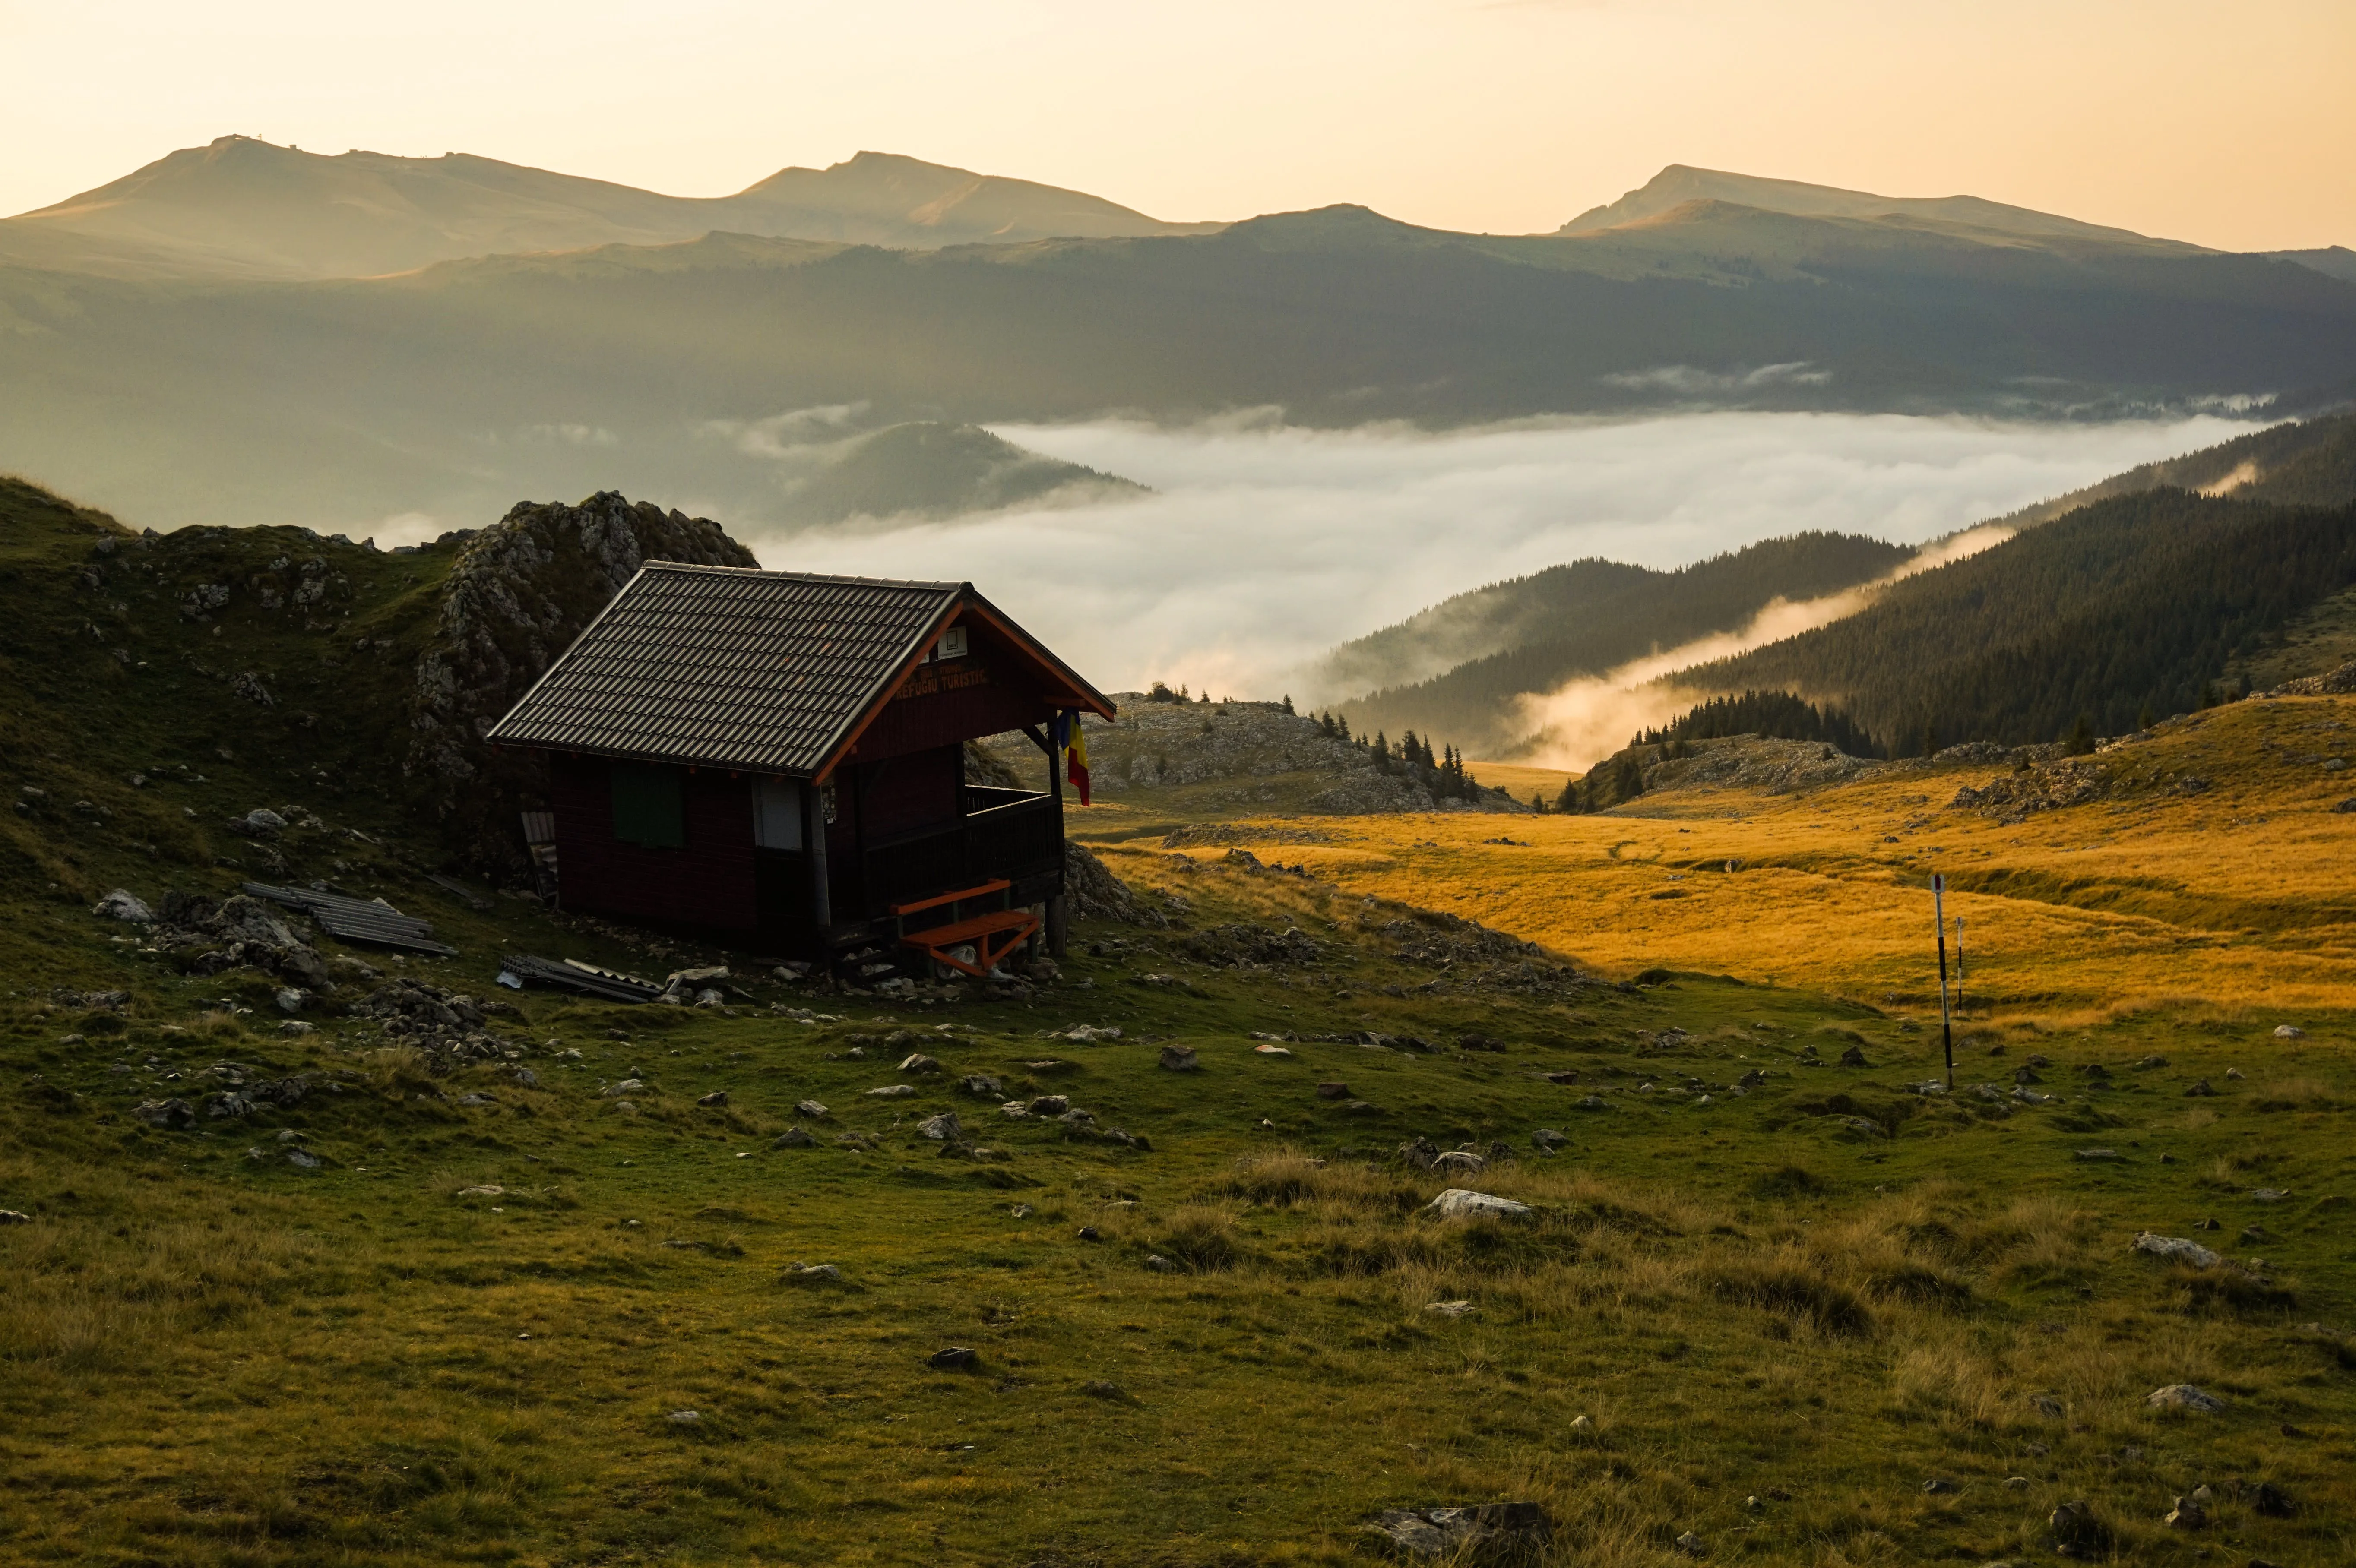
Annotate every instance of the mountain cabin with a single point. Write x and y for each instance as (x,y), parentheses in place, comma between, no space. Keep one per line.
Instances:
(778,758)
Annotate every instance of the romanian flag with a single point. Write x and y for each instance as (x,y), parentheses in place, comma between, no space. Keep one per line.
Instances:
(1073,741)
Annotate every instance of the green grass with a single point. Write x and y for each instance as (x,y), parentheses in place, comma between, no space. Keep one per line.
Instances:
(1819,1293)
(217,1360)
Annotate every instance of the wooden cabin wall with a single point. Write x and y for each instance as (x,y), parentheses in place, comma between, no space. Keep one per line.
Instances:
(911,794)
(708,883)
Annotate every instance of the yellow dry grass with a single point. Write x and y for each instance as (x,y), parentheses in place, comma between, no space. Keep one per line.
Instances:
(2236,896)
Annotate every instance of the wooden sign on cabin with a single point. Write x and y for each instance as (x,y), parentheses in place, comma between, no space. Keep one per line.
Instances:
(778,759)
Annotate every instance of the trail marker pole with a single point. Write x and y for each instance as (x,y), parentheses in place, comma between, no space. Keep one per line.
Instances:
(1938,923)
(1959,964)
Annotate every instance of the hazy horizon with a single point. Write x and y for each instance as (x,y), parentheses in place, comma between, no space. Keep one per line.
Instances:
(1524,114)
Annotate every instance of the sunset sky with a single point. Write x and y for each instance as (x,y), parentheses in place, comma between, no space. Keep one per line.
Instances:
(2230,126)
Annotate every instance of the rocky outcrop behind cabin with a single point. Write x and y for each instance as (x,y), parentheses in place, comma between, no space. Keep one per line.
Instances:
(523,590)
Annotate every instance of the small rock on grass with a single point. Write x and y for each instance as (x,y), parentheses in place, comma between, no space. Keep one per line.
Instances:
(891,1091)
(2183,1396)
(1458,1202)
(716,1099)
(1180,1059)
(1333,1091)
(1270,1050)
(2188,1514)
(793,1137)
(2289,1031)
(15,1217)
(1097,1388)
(1161,1264)
(813,1274)
(685,1418)
(1451,1309)
(1515,1531)
(956,1359)
(1854,1056)
(943,1128)
(1940,1486)
(811,1109)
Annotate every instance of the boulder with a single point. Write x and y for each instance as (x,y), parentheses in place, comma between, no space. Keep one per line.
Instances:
(2188,1514)
(2289,1031)
(811,1109)
(981,1086)
(123,904)
(1461,1162)
(1458,1202)
(2176,1248)
(918,1062)
(1482,1533)
(793,1137)
(1854,1056)
(943,1128)
(715,1099)
(2076,1531)
(2183,1396)
(1180,1059)
(174,1115)
(1048,1105)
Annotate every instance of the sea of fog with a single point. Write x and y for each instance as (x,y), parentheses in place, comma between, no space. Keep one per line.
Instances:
(1263,547)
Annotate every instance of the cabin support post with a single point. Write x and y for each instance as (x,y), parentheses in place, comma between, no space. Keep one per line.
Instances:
(1058,919)
(814,835)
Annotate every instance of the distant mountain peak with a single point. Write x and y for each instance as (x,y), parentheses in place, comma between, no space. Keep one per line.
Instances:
(1678,185)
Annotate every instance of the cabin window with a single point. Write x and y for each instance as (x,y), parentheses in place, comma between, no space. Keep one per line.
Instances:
(649,805)
(777,814)
(951,644)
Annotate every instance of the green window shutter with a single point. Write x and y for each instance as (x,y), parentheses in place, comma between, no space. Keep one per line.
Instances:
(649,805)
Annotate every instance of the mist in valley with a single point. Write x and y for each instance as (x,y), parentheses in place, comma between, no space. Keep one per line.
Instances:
(1263,545)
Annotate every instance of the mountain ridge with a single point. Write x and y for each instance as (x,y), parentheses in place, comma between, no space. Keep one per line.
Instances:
(240,206)
(1681,183)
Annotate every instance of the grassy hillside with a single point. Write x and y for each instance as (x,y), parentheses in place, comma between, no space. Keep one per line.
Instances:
(451,390)
(418,1276)
(2123,610)
(1535,631)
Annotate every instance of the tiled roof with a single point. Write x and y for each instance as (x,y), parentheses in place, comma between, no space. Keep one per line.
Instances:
(726,667)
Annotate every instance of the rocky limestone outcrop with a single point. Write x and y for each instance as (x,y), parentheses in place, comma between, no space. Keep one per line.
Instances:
(1093,893)
(2335,683)
(519,595)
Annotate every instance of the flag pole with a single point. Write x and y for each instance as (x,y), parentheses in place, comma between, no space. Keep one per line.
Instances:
(1938,923)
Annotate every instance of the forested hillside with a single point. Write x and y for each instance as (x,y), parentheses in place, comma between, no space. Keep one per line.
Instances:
(1534,633)
(2120,612)
(2309,463)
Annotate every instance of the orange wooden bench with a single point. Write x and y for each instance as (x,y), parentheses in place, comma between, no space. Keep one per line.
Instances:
(992,936)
